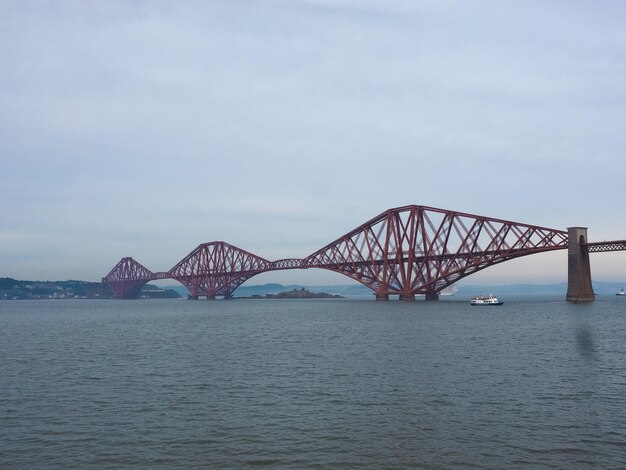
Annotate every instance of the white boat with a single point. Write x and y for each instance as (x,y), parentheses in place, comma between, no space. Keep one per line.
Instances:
(621,292)
(485,300)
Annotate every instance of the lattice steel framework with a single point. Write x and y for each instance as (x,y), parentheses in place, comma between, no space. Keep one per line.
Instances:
(127,278)
(421,250)
(217,269)
(602,247)
(287,263)
(406,251)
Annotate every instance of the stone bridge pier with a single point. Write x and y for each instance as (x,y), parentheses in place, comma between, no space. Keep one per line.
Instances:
(579,288)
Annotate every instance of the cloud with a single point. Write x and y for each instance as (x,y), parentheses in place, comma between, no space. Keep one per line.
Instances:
(151,127)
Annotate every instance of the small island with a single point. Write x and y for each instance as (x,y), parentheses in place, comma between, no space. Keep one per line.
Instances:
(296,294)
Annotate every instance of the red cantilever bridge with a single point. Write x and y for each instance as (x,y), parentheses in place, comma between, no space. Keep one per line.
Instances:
(405,251)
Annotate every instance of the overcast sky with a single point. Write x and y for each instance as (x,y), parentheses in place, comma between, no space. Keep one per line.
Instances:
(144,128)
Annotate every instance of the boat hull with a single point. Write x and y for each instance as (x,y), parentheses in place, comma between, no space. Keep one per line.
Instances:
(485,301)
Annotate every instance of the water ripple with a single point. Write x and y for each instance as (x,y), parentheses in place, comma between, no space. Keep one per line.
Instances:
(338,384)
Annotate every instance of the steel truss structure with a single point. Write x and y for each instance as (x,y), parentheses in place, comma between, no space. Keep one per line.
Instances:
(405,251)
(217,269)
(602,247)
(421,250)
(127,278)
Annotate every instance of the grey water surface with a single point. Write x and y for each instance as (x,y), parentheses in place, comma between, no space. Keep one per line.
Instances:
(302,384)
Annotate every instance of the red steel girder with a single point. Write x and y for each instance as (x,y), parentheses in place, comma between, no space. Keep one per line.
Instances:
(406,250)
(127,278)
(420,250)
(287,263)
(217,269)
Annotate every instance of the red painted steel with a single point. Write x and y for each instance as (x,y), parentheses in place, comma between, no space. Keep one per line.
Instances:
(127,278)
(217,269)
(421,250)
(405,251)
(287,263)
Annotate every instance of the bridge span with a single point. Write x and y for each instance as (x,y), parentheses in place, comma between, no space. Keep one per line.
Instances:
(405,251)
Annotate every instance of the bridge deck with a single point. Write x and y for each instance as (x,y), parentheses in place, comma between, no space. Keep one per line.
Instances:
(601,247)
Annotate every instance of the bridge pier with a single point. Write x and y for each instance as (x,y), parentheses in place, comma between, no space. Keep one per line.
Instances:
(432,296)
(579,287)
(409,297)
(192,297)
(383,297)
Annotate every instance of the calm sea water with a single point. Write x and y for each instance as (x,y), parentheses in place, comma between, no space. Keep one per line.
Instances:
(303,384)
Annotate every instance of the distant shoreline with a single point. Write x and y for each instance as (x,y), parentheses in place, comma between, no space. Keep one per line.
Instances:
(13,289)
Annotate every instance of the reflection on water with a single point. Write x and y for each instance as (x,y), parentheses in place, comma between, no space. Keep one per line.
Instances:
(584,341)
